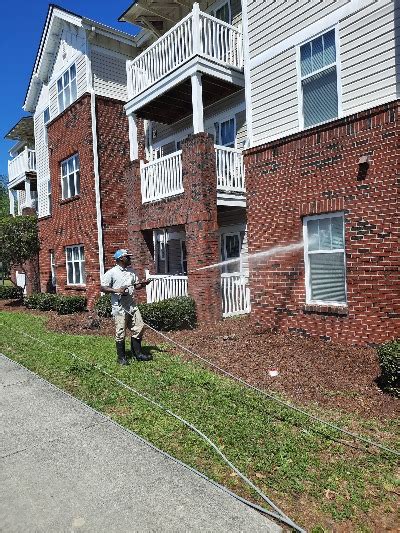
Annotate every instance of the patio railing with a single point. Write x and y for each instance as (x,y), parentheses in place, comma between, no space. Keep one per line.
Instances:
(162,177)
(230,169)
(22,163)
(235,295)
(165,286)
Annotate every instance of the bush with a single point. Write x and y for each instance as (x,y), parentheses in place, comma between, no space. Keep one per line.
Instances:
(103,306)
(389,360)
(10,292)
(167,315)
(64,305)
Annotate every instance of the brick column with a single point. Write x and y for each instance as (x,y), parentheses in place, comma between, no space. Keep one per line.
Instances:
(202,243)
(138,241)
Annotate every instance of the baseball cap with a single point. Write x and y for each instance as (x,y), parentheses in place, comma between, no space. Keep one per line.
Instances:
(121,253)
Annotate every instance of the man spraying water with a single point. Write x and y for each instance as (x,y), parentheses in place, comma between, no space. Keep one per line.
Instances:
(121,282)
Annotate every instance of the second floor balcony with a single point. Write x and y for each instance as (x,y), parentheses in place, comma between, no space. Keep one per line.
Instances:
(159,78)
(21,165)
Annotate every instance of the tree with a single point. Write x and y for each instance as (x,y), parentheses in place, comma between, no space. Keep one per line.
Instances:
(19,240)
(4,201)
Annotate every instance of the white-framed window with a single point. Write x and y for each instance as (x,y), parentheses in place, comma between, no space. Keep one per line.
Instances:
(325,259)
(66,88)
(70,177)
(49,196)
(225,132)
(222,11)
(231,246)
(183,256)
(75,259)
(46,120)
(318,74)
(53,268)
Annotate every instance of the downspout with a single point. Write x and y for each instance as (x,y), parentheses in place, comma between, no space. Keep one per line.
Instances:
(95,153)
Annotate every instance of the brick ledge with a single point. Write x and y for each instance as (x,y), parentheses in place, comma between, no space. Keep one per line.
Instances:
(341,310)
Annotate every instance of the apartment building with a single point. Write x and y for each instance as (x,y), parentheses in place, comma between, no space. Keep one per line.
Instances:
(226,128)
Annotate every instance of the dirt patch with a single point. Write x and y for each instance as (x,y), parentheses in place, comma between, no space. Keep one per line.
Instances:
(329,375)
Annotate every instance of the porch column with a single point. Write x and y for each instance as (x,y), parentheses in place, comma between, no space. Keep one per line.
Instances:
(133,137)
(28,196)
(12,202)
(197,103)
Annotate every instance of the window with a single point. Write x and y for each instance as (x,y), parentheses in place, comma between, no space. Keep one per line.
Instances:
(53,269)
(46,120)
(75,265)
(183,257)
(66,88)
(325,259)
(225,133)
(49,196)
(318,74)
(70,177)
(231,245)
(223,13)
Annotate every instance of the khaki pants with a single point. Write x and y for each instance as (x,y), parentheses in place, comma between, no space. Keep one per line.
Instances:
(134,323)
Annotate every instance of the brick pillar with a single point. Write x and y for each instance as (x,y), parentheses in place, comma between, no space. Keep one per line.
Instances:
(139,243)
(202,243)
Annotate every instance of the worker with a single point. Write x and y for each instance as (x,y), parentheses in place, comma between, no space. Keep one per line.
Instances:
(121,282)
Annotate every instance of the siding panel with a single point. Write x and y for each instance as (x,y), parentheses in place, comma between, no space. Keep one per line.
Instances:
(109,74)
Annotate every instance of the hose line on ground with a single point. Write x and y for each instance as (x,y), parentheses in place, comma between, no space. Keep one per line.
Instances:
(279,514)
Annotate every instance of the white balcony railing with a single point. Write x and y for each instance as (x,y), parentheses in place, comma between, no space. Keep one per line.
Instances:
(235,295)
(196,34)
(22,163)
(162,177)
(230,169)
(165,286)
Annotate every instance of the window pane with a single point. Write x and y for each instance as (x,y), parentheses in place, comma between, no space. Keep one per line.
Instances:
(77,273)
(73,90)
(77,182)
(228,132)
(70,163)
(66,78)
(324,234)
(313,238)
(305,59)
(320,100)
(59,85)
(67,96)
(317,50)
(76,253)
(61,102)
(223,13)
(70,273)
(46,115)
(69,254)
(72,191)
(327,277)
(64,168)
(329,48)
(83,273)
(72,71)
(232,246)
(65,187)
(337,224)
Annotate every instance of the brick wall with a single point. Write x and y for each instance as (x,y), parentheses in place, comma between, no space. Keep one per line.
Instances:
(318,172)
(196,209)
(73,221)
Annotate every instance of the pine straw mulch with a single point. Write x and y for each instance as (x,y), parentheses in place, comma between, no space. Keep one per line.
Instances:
(311,371)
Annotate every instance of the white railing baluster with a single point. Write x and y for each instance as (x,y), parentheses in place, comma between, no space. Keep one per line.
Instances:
(165,286)
(162,178)
(22,163)
(230,169)
(235,294)
(197,33)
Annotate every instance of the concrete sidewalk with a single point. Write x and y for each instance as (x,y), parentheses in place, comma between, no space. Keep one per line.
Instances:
(64,467)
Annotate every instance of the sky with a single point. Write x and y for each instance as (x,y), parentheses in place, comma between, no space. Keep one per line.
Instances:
(22,26)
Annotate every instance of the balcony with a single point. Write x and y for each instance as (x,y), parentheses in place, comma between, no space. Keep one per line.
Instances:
(23,164)
(162,178)
(165,286)
(198,44)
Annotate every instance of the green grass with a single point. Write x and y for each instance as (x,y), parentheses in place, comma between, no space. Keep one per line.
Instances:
(300,464)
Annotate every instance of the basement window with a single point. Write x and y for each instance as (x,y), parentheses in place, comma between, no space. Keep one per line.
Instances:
(70,177)
(66,88)
(325,260)
(75,256)
(319,80)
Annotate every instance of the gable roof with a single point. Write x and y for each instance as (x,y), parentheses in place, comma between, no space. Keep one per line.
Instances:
(49,42)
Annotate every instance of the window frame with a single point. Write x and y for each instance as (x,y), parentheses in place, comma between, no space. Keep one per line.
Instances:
(49,195)
(45,122)
(309,300)
(77,180)
(53,269)
(224,235)
(300,78)
(219,5)
(69,85)
(81,261)
(222,120)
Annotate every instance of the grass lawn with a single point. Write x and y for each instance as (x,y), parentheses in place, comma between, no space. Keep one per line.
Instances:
(320,478)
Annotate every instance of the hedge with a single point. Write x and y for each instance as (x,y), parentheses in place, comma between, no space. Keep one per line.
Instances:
(167,315)
(64,305)
(389,360)
(12,292)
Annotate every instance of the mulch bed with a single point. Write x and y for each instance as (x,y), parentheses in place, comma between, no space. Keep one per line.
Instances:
(329,375)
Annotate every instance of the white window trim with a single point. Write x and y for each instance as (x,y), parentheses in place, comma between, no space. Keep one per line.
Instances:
(49,196)
(220,121)
(61,77)
(76,155)
(81,262)
(309,301)
(182,241)
(300,78)
(53,268)
(223,236)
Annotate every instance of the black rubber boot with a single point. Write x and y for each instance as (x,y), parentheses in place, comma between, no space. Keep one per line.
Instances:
(136,347)
(121,357)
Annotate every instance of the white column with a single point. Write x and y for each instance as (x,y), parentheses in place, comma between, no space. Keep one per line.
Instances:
(197,103)
(12,202)
(28,197)
(133,137)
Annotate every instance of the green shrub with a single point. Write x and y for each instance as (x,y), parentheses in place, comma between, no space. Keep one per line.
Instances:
(103,306)
(389,360)
(10,292)
(167,315)
(64,305)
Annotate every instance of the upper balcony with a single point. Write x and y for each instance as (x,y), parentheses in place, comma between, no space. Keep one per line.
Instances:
(20,166)
(159,79)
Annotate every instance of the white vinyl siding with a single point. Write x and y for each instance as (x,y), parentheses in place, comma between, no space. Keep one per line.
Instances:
(75,262)
(325,259)
(70,177)
(42,164)
(109,73)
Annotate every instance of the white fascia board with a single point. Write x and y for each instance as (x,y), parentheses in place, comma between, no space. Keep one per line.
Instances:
(313,29)
(231,200)
(113,33)
(192,66)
